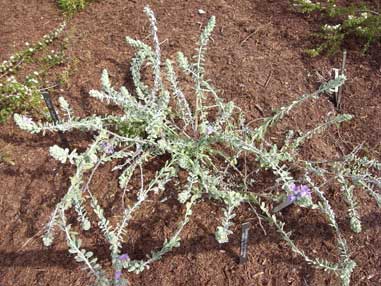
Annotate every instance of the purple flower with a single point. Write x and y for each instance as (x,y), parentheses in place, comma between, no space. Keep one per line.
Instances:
(298,192)
(124,257)
(117,275)
(305,191)
(107,147)
(291,198)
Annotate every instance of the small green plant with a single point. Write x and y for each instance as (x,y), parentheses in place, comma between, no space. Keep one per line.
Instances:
(25,96)
(18,97)
(356,20)
(204,137)
(72,6)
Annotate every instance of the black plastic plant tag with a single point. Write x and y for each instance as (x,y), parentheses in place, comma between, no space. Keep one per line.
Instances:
(49,104)
(244,241)
(283,205)
(54,115)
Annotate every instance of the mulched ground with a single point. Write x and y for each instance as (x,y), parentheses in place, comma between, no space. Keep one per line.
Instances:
(255,59)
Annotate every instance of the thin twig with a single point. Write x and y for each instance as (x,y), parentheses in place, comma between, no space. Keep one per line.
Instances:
(86,186)
(248,37)
(259,109)
(49,87)
(29,240)
(259,219)
(253,33)
(268,79)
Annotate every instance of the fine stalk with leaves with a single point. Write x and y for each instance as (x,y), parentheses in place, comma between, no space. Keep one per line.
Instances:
(202,136)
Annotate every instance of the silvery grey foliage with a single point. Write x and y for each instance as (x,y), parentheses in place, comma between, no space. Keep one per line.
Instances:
(157,120)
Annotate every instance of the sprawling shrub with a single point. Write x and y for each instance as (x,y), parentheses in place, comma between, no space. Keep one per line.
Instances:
(204,137)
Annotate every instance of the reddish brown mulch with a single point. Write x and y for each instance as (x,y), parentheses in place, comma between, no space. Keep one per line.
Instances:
(255,59)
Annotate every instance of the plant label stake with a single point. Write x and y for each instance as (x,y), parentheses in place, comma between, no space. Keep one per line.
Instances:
(340,91)
(53,114)
(244,241)
(283,205)
(49,104)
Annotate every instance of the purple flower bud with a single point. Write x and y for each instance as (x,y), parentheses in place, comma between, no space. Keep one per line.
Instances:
(305,191)
(124,257)
(300,191)
(117,275)
(294,188)
(291,198)
(107,147)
